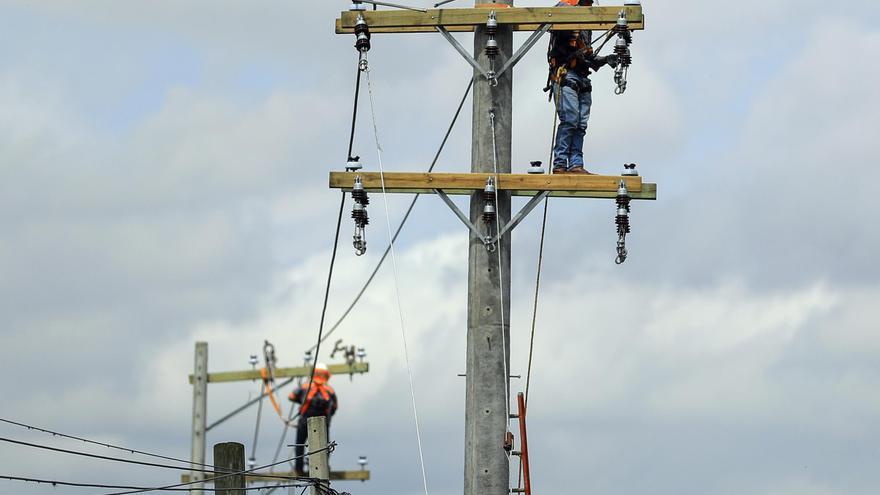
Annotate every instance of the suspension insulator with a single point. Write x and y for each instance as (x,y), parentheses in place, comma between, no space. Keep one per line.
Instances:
(621,29)
(492,25)
(489,190)
(362,33)
(622,51)
(491,47)
(622,219)
(623,197)
(358,193)
(359,215)
(489,213)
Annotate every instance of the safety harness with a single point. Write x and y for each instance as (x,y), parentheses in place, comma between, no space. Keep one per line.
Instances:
(325,391)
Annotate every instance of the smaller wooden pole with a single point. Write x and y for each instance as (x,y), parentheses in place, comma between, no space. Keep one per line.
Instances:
(229,457)
(319,464)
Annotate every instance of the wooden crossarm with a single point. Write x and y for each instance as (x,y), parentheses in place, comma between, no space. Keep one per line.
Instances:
(560,185)
(298,371)
(362,475)
(520,18)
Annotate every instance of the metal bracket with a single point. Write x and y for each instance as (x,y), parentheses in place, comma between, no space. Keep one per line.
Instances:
(489,240)
(455,44)
(521,215)
(526,46)
(461,216)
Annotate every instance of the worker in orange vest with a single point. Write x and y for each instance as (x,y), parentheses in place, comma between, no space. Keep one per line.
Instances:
(321,401)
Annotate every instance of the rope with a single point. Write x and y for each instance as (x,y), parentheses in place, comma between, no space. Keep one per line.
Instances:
(397,283)
(500,274)
(538,280)
(403,221)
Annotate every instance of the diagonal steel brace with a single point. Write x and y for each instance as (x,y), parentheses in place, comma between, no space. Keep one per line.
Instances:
(455,44)
(526,46)
(461,216)
(521,215)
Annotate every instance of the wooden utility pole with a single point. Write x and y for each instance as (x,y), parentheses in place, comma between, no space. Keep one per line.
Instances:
(319,465)
(486,468)
(229,458)
(200,408)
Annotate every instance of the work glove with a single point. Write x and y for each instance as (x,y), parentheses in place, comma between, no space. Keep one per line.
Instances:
(612,60)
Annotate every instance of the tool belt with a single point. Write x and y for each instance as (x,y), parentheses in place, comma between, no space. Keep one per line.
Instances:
(584,86)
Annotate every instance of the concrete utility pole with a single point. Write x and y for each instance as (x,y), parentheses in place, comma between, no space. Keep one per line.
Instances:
(486,464)
(228,458)
(200,408)
(486,468)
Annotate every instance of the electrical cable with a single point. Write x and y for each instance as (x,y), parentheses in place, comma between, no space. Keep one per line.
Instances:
(227,475)
(403,221)
(106,458)
(326,293)
(357,91)
(130,487)
(397,283)
(247,405)
(103,444)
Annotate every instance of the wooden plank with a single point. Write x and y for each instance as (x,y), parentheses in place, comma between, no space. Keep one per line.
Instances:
(362,475)
(299,371)
(402,181)
(561,186)
(462,20)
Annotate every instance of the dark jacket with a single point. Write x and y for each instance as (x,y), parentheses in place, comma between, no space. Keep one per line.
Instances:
(569,49)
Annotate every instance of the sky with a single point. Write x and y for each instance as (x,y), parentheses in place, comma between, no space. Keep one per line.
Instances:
(163,180)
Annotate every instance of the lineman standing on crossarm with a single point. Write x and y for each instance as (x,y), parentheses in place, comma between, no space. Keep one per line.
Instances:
(321,401)
(571,59)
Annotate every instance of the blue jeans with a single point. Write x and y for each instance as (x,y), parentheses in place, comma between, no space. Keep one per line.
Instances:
(574,113)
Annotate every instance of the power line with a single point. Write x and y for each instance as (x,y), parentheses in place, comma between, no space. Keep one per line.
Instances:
(236,473)
(102,444)
(403,221)
(102,485)
(108,458)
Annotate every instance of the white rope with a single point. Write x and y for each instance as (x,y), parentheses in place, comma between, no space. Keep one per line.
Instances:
(500,274)
(397,284)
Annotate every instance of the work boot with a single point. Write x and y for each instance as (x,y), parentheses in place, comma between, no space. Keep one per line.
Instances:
(579,170)
(559,169)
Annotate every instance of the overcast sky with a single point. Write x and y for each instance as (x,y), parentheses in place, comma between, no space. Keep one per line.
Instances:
(163,170)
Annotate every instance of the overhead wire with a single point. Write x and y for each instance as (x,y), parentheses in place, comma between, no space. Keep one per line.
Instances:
(104,457)
(131,487)
(326,295)
(403,221)
(397,283)
(236,473)
(102,444)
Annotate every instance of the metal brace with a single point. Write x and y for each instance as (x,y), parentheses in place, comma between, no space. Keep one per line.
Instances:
(521,215)
(465,220)
(489,241)
(455,44)
(526,46)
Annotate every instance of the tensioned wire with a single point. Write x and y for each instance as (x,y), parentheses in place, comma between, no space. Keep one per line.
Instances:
(396,281)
